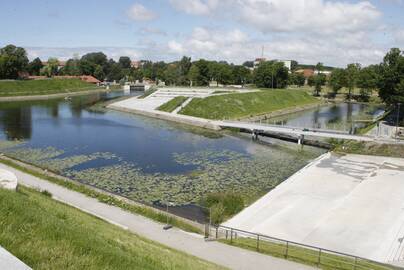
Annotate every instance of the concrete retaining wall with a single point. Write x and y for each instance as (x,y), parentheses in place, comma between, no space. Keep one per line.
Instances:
(183,119)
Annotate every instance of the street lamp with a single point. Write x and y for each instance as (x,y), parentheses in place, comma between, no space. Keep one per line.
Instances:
(168,226)
(398,118)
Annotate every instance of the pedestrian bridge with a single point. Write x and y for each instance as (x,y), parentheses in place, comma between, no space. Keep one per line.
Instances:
(257,128)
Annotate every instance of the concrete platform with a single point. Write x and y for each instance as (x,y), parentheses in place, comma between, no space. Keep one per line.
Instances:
(9,261)
(352,204)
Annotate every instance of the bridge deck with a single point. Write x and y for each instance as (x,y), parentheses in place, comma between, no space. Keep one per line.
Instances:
(293,130)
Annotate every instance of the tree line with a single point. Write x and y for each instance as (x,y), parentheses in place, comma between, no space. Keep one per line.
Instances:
(386,77)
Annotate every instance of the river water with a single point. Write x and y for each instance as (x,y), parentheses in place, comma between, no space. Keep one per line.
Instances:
(340,116)
(147,160)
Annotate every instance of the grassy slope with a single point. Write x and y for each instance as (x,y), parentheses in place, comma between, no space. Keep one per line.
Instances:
(46,234)
(108,199)
(369,148)
(42,87)
(172,104)
(246,104)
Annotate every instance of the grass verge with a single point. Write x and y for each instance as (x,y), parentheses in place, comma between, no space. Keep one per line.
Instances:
(239,105)
(148,92)
(43,87)
(172,104)
(369,148)
(304,255)
(145,211)
(46,234)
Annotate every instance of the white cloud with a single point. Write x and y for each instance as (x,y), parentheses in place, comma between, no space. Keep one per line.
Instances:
(399,36)
(236,46)
(322,17)
(195,7)
(138,12)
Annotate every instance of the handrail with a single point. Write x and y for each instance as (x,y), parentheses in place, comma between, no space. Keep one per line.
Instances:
(320,250)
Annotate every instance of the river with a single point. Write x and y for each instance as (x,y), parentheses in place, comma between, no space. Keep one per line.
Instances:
(148,160)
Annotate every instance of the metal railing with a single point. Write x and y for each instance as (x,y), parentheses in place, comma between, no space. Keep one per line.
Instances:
(307,254)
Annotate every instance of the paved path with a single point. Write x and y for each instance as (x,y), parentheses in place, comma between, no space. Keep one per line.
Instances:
(9,261)
(222,254)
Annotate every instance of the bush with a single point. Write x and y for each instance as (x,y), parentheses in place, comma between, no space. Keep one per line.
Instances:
(223,205)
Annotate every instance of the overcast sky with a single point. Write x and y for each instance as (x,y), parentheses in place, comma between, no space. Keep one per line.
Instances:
(333,32)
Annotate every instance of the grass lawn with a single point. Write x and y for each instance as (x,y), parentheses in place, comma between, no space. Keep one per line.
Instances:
(369,148)
(43,87)
(172,104)
(46,234)
(304,256)
(240,105)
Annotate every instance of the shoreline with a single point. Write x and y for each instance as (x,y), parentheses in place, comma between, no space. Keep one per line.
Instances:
(15,163)
(52,96)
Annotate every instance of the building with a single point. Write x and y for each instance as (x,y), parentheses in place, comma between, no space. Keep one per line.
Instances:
(307,72)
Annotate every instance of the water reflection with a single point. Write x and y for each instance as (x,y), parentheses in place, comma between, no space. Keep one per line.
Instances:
(342,116)
(16,123)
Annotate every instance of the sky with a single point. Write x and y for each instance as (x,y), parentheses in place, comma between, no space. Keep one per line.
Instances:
(334,32)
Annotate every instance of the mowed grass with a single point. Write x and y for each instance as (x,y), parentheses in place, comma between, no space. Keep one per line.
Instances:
(172,104)
(239,105)
(46,234)
(305,255)
(43,87)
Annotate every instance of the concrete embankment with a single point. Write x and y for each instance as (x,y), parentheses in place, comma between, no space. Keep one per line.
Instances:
(52,96)
(183,119)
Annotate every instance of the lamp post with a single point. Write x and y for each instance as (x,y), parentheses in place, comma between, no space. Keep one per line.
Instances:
(168,226)
(398,119)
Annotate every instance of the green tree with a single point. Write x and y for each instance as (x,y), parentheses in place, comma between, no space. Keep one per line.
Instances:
(13,60)
(241,75)
(34,67)
(193,75)
(51,68)
(248,64)
(352,72)
(125,62)
(318,81)
(337,81)
(300,79)
(391,79)
(115,73)
(271,75)
(367,81)
(171,74)
(71,68)
(99,73)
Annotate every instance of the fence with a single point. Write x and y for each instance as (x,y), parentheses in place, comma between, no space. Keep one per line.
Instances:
(303,253)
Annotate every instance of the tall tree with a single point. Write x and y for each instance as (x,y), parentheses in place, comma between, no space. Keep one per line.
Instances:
(367,81)
(391,80)
(193,75)
(125,62)
(352,72)
(12,61)
(337,80)
(271,74)
(34,67)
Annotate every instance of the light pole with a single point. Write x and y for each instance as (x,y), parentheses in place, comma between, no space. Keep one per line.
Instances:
(398,119)
(168,226)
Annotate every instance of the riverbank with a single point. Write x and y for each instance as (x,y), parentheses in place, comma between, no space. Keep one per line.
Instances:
(32,220)
(243,105)
(192,244)
(104,196)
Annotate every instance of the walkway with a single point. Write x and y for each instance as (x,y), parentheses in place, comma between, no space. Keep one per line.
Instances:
(352,204)
(9,261)
(222,254)
(292,130)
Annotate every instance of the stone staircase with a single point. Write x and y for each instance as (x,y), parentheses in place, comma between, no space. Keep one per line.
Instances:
(185,92)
